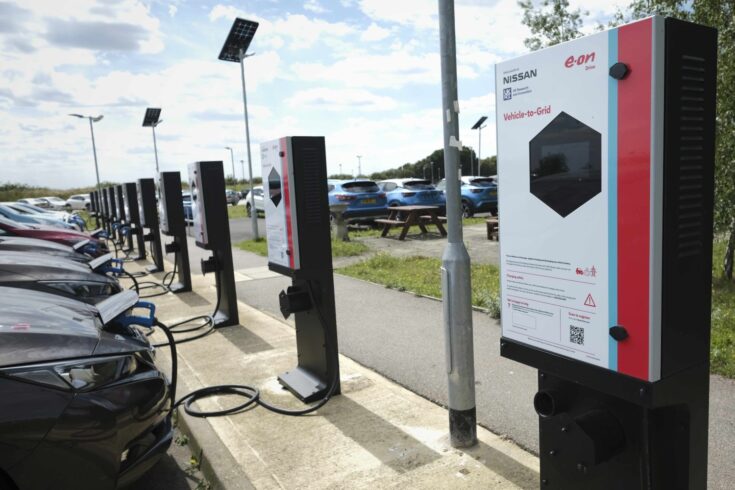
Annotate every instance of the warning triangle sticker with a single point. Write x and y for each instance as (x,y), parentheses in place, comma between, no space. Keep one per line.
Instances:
(589,301)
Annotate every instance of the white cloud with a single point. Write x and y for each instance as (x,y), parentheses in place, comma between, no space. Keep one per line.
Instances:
(172,9)
(374,33)
(417,13)
(355,100)
(314,6)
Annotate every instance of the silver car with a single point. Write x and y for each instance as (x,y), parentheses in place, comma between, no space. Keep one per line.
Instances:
(258,195)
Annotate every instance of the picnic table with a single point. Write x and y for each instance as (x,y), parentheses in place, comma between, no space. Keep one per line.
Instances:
(407,216)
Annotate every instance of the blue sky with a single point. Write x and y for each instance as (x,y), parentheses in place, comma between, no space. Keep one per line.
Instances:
(362,73)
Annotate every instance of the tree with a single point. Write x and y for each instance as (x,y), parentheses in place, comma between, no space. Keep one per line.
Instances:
(719,14)
(550,23)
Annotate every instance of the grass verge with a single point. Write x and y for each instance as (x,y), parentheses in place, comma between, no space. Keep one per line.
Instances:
(422,275)
(236,211)
(722,344)
(339,248)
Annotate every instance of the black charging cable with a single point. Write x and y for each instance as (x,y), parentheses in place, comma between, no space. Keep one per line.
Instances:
(250,393)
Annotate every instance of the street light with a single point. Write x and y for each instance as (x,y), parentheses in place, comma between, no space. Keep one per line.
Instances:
(234,50)
(232,157)
(94,147)
(478,126)
(242,166)
(359,165)
(151,120)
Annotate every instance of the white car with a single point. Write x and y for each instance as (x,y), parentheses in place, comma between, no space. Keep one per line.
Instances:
(56,202)
(258,195)
(79,201)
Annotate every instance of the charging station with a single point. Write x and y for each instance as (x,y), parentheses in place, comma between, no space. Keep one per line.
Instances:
(124,231)
(212,232)
(606,158)
(104,210)
(171,213)
(112,213)
(130,198)
(93,207)
(148,213)
(300,247)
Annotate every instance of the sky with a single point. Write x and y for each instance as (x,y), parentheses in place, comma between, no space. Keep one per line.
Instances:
(365,74)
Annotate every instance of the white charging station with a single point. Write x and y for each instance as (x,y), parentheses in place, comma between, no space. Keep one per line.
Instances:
(605,170)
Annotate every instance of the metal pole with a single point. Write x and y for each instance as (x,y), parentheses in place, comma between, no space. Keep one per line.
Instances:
(253,210)
(456,285)
(479,150)
(359,165)
(242,167)
(232,158)
(155,149)
(94,151)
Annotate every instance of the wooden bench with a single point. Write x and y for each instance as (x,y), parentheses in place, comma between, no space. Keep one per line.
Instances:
(493,228)
(394,222)
(442,219)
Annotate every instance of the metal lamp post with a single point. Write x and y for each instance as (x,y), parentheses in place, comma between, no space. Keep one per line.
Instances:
(151,120)
(93,119)
(478,126)
(235,50)
(456,284)
(232,157)
(359,165)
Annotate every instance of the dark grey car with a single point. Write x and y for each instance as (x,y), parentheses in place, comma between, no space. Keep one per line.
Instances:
(58,275)
(83,404)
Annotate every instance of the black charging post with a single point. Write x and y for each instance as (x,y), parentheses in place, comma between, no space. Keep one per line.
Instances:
(148,213)
(171,207)
(113,216)
(125,239)
(93,209)
(300,247)
(212,232)
(130,198)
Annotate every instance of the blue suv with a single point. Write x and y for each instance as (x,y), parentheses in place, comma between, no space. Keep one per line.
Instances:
(412,192)
(479,194)
(363,198)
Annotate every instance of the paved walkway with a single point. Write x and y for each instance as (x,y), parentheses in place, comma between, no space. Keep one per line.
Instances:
(400,336)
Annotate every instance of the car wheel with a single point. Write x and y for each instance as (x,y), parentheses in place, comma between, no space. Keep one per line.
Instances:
(467,209)
(247,210)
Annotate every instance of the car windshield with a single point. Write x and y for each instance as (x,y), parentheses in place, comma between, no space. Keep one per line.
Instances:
(483,182)
(363,186)
(418,185)
(32,208)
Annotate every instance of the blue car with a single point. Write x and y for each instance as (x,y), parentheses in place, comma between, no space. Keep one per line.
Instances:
(36,212)
(364,199)
(479,194)
(412,192)
(7,212)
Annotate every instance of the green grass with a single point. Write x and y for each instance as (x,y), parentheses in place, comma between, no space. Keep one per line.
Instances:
(236,212)
(722,345)
(422,275)
(339,248)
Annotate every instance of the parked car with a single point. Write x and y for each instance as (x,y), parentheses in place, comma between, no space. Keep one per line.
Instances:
(77,240)
(56,202)
(53,274)
(72,218)
(188,213)
(79,201)
(36,201)
(258,197)
(20,244)
(412,192)
(84,404)
(364,199)
(479,194)
(233,197)
(36,219)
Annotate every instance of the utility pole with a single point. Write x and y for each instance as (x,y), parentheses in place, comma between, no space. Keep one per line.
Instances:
(456,285)
(254,213)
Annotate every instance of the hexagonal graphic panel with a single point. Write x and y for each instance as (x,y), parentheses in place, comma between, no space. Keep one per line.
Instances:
(274,187)
(565,164)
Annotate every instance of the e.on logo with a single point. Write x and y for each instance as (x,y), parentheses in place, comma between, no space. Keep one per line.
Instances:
(580,60)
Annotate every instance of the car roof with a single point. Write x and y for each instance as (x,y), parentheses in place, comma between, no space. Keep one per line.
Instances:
(348,181)
(405,179)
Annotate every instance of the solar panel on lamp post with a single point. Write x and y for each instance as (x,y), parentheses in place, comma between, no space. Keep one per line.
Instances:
(235,50)
(478,126)
(93,119)
(151,120)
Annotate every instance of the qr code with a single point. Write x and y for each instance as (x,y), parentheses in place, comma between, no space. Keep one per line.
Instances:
(576,335)
(507,93)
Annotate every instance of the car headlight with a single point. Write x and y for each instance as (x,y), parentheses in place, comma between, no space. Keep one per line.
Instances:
(78,375)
